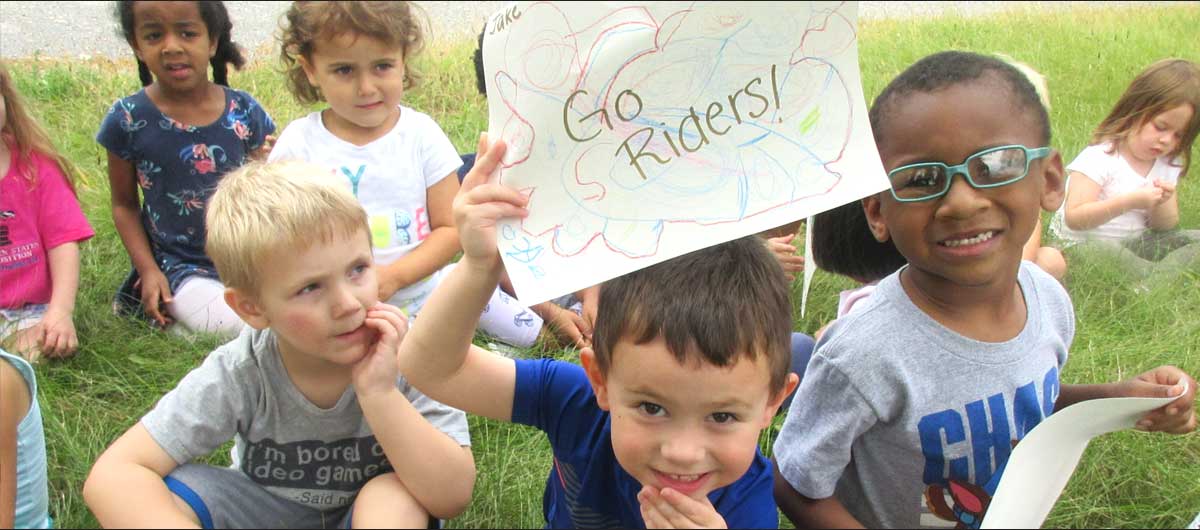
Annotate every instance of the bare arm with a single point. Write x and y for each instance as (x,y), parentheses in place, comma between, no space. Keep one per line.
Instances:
(127,220)
(1165,215)
(438,472)
(435,251)
(1085,210)
(13,408)
(58,325)
(437,356)
(810,513)
(133,467)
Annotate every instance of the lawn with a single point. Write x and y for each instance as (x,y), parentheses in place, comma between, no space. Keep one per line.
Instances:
(1126,479)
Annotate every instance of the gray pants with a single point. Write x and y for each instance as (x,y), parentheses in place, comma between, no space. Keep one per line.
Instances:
(224,497)
(1151,253)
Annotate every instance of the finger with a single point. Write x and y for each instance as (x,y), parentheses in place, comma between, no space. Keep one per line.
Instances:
(52,343)
(648,502)
(584,327)
(692,509)
(487,158)
(675,518)
(392,315)
(499,193)
(488,214)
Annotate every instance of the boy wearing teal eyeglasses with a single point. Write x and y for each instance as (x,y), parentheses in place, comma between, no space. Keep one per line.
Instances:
(911,405)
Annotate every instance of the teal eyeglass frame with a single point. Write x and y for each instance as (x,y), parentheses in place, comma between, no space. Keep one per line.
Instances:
(964,170)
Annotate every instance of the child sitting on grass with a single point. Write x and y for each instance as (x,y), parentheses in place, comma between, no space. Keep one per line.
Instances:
(24,501)
(326,431)
(659,427)
(1123,186)
(910,407)
(41,227)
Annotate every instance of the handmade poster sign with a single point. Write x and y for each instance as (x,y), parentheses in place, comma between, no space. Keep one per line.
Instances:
(643,131)
(1040,465)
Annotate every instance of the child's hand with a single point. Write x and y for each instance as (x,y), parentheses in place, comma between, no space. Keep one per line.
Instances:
(670,509)
(264,150)
(568,326)
(1176,417)
(785,253)
(1168,190)
(156,293)
(57,335)
(376,372)
(479,204)
(1147,197)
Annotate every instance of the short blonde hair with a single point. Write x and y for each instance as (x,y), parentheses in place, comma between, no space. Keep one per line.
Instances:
(264,207)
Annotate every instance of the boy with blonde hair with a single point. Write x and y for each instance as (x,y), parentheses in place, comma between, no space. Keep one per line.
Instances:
(326,431)
(659,427)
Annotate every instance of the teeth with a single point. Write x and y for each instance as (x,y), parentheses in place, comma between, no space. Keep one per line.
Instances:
(684,478)
(970,241)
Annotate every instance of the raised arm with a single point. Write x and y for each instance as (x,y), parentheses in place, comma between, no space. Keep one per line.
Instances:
(133,467)
(437,356)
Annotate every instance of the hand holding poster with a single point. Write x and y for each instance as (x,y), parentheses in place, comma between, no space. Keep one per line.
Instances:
(643,131)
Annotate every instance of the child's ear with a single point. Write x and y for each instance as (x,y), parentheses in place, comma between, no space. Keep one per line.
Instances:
(247,307)
(1054,187)
(872,208)
(309,71)
(592,368)
(789,386)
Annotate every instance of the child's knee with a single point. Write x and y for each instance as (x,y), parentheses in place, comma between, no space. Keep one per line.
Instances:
(385,502)
(1052,261)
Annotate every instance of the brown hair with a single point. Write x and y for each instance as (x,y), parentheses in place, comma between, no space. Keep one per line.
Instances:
(1161,87)
(721,304)
(393,23)
(24,136)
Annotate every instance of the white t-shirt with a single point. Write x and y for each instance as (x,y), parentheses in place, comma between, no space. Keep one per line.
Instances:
(1115,177)
(389,176)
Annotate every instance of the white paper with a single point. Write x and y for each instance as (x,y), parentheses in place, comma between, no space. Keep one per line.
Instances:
(643,131)
(1041,464)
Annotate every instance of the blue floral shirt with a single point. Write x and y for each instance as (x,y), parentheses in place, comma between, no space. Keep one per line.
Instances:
(178,167)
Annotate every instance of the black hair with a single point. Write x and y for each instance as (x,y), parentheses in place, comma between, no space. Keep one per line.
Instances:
(719,304)
(216,21)
(477,58)
(945,69)
(843,244)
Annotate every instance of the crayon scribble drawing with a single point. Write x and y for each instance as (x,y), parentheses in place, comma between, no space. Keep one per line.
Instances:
(645,131)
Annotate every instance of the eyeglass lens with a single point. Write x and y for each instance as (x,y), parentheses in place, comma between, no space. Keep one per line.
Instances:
(991,168)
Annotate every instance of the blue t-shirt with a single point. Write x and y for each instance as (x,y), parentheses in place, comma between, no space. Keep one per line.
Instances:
(587,488)
(178,167)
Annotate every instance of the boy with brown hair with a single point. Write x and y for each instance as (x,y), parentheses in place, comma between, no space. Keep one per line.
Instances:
(659,427)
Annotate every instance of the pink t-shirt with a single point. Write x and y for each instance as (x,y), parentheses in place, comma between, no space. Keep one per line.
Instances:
(34,219)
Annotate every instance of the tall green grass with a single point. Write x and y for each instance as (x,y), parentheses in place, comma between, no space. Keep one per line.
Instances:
(1125,480)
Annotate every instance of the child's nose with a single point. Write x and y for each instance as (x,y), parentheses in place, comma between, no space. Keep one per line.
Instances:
(346,303)
(683,449)
(962,200)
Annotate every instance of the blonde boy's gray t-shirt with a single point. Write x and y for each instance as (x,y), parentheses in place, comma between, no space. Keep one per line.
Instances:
(910,424)
(298,451)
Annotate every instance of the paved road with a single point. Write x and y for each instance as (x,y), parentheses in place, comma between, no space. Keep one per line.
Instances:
(85,29)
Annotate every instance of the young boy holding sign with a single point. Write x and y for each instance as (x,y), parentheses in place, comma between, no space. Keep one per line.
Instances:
(659,427)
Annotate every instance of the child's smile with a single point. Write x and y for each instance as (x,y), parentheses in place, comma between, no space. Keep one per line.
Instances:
(969,236)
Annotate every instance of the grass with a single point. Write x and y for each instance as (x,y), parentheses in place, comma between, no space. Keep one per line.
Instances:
(1125,480)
